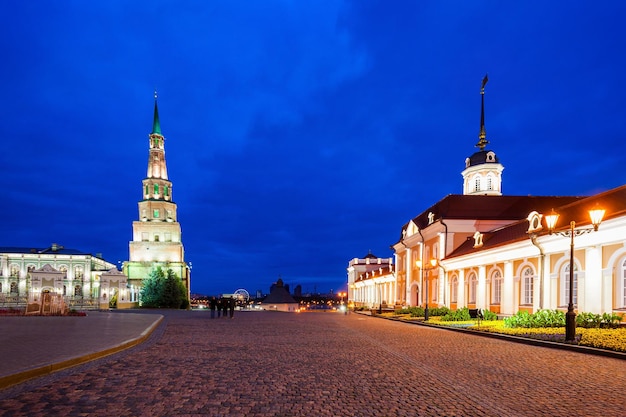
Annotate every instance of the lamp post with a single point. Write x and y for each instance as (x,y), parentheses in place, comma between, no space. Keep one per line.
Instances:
(341,306)
(433,263)
(596,216)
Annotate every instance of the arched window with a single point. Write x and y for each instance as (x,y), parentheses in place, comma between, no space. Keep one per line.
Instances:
(496,287)
(527,286)
(454,289)
(78,291)
(473,283)
(63,268)
(565,285)
(477,184)
(489,183)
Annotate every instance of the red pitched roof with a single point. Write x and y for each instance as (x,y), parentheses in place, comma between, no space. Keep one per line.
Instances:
(613,201)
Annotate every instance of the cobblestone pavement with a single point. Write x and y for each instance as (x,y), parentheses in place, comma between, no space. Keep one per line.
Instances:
(324,364)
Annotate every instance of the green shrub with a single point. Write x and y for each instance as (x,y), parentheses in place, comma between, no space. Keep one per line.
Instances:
(461,314)
(489,315)
(438,311)
(542,318)
(595,321)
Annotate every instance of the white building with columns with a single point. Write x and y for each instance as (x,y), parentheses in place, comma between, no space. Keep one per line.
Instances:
(493,251)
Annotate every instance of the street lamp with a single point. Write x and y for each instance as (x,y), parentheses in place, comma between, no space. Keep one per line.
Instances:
(341,306)
(596,216)
(433,263)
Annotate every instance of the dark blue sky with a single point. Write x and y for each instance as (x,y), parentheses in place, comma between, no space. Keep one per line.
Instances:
(299,135)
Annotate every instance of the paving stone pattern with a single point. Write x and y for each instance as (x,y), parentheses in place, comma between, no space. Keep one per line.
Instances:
(324,364)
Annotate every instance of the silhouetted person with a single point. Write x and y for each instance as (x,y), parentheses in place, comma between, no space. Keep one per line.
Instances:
(218,306)
(213,306)
(225,307)
(231,307)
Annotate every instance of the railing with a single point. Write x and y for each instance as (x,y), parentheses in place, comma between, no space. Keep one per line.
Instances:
(74,303)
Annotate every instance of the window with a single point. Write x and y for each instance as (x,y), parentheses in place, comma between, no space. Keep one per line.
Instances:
(156,188)
(147,189)
(496,287)
(156,238)
(473,283)
(166,191)
(527,286)
(454,289)
(15,271)
(489,184)
(565,287)
(78,272)
(64,290)
(623,284)
(155,213)
(477,184)
(78,291)
(14,287)
(145,236)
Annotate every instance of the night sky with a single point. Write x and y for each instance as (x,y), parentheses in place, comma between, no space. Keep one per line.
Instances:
(299,134)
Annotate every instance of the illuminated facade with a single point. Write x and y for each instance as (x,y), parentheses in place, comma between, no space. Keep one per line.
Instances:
(157,234)
(83,280)
(494,252)
(372,282)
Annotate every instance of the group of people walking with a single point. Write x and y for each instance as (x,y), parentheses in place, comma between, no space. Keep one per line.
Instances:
(225,307)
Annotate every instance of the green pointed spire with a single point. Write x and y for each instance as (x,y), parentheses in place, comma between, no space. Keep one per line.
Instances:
(156,125)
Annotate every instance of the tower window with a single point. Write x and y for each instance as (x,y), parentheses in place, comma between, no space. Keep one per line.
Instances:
(166,191)
(156,188)
(156,238)
(489,184)
(147,189)
(155,213)
(477,184)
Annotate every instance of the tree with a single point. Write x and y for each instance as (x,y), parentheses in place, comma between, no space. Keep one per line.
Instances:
(163,289)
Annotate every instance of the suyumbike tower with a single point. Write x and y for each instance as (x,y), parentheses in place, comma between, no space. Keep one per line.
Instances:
(157,234)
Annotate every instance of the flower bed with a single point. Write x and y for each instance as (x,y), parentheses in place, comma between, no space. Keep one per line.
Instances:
(608,339)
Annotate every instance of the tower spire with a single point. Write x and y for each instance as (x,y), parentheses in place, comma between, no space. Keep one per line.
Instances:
(156,125)
(482,141)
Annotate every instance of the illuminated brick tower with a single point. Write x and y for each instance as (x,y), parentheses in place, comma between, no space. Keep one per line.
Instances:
(157,233)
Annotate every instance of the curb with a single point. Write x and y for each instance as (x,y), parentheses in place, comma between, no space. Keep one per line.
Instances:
(20,377)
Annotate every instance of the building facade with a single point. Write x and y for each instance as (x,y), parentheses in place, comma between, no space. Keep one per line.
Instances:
(83,280)
(157,235)
(483,249)
(372,282)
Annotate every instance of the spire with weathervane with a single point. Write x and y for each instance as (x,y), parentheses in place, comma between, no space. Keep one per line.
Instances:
(483,171)
(482,135)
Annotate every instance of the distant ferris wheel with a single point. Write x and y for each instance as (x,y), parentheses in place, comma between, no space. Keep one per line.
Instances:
(241,295)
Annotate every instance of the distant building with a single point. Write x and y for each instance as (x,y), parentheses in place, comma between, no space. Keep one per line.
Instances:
(486,250)
(83,280)
(157,236)
(279,299)
(371,282)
